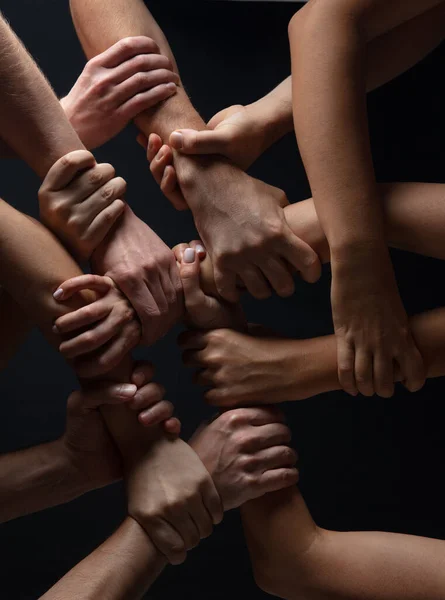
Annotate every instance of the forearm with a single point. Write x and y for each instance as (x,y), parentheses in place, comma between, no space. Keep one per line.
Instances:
(293,558)
(44,264)
(38,478)
(329,100)
(122,568)
(101,23)
(32,122)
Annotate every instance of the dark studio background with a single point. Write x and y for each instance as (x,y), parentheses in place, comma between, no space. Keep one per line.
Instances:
(365,463)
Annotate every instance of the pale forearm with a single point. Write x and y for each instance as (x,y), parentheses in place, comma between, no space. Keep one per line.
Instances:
(38,478)
(32,122)
(122,568)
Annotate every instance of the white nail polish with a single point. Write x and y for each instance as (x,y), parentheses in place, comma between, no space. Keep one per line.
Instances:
(189,255)
(58,294)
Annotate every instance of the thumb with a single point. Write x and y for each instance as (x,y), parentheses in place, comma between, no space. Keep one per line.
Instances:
(190,141)
(189,272)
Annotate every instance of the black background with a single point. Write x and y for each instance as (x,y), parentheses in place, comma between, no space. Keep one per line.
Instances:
(365,463)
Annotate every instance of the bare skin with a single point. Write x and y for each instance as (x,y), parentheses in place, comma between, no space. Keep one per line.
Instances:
(242,222)
(293,558)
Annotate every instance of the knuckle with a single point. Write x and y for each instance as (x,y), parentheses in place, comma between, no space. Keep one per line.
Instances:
(95,177)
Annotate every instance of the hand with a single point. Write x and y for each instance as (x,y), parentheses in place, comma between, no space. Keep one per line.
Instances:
(87,441)
(247,454)
(130,77)
(112,329)
(242,224)
(203,311)
(241,369)
(145,270)
(80,201)
(235,132)
(172,496)
(374,341)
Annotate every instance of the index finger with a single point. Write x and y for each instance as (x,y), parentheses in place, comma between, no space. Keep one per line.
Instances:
(125,49)
(302,257)
(66,168)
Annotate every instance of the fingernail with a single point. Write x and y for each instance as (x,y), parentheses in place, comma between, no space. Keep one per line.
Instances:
(177,139)
(200,249)
(58,294)
(127,390)
(55,329)
(161,154)
(172,86)
(189,255)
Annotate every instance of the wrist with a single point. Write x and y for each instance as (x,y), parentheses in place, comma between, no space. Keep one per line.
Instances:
(312,367)
(77,480)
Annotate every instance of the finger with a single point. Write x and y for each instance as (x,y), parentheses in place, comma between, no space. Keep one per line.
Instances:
(111,355)
(146,100)
(363,368)
(147,396)
(205,377)
(98,336)
(114,189)
(278,275)
(195,359)
(212,501)
(116,393)
(143,372)
(168,541)
(412,367)
(162,411)
(178,251)
(102,224)
(346,360)
(125,49)
(142,140)
(189,141)
(86,315)
(192,340)
(201,518)
(92,180)
(96,283)
(199,248)
(67,168)
(255,283)
(277,479)
(160,162)
(172,287)
(143,82)
(186,527)
(225,282)
(189,271)
(154,146)
(383,369)
(170,188)
(301,256)
(266,436)
(258,416)
(140,64)
(277,457)
(144,303)
(172,427)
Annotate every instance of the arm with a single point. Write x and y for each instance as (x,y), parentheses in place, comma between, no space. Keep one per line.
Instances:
(328,46)
(221,197)
(38,478)
(244,369)
(122,568)
(293,558)
(243,133)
